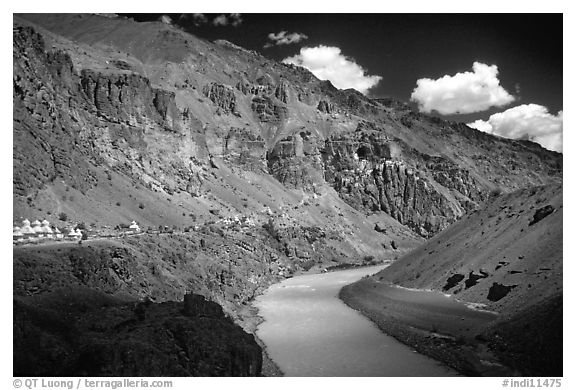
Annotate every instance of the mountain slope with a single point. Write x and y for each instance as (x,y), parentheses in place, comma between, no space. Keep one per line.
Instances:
(505,258)
(504,244)
(155,105)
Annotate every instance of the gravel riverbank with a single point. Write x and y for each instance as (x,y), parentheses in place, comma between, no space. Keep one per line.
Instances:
(452,338)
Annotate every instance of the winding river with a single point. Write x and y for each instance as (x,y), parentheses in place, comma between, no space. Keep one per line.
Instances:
(308,331)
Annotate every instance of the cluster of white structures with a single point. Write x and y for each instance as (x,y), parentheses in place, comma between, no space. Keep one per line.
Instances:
(36,232)
(238,220)
(40,231)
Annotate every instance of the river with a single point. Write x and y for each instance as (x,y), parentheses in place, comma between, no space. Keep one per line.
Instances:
(308,331)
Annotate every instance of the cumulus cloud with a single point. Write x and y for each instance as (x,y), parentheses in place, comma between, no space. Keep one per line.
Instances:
(197,19)
(284,38)
(463,93)
(230,19)
(328,63)
(481,125)
(527,121)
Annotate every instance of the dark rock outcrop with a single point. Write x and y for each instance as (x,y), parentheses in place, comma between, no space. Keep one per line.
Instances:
(198,306)
(84,333)
(247,88)
(325,107)
(223,96)
(453,281)
(281,92)
(379,228)
(541,213)
(474,278)
(267,110)
(498,291)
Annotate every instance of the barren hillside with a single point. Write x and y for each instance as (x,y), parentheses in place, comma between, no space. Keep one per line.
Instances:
(505,258)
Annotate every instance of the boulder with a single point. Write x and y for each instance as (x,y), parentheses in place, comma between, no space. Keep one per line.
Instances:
(379,227)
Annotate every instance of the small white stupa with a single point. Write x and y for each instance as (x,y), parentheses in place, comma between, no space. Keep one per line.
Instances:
(57,233)
(134,228)
(46,230)
(26,229)
(74,235)
(36,226)
(17,234)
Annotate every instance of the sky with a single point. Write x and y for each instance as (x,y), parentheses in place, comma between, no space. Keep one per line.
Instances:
(500,73)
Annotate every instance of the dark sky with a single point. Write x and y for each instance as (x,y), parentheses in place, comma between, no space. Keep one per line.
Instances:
(527,48)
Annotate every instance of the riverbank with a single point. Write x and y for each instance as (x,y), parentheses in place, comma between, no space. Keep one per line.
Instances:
(429,325)
(249,319)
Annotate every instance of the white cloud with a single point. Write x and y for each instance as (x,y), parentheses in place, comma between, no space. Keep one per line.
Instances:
(328,63)
(462,93)
(224,20)
(481,125)
(220,20)
(528,121)
(284,38)
(197,19)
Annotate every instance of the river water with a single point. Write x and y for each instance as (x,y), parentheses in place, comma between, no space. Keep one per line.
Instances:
(308,331)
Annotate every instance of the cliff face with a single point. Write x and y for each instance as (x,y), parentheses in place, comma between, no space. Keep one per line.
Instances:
(129,99)
(43,147)
(369,175)
(66,124)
